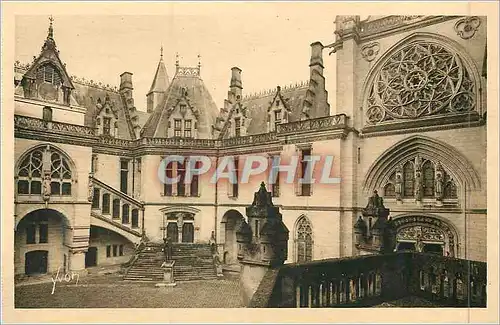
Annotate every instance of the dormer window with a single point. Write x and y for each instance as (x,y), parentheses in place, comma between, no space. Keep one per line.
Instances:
(49,74)
(177,128)
(237,127)
(106,128)
(187,128)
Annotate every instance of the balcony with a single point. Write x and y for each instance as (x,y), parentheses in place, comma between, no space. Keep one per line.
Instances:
(375,280)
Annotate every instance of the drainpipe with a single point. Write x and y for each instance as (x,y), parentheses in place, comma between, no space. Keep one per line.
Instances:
(216,198)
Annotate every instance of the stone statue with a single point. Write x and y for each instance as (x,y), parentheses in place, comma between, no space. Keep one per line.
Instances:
(418,162)
(419,245)
(262,197)
(438,187)
(46,186)
(418,186)
(399,184)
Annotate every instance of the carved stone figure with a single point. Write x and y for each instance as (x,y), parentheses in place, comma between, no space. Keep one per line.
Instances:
(91,190)
(418,186)
(419,245)
(398,186)
(46,186)
(438,187)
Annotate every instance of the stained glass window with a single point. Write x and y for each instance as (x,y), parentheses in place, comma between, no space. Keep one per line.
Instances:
(428,179)
(408,179)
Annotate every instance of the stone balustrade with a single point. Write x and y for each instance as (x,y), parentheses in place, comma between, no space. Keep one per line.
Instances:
(116,206)
(323,123)
(373,279)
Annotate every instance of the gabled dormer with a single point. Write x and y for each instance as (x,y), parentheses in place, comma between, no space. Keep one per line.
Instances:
(278,111)
(106,118)
(183,119)
(47,79)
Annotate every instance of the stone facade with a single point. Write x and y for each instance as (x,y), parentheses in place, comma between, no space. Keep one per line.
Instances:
(114,150)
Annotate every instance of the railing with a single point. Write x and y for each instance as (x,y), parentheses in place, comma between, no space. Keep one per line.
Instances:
(373,279)
(322,123)
(249,139)
(39,124)
(116,206)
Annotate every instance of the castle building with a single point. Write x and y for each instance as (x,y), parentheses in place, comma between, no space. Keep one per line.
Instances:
(409,122)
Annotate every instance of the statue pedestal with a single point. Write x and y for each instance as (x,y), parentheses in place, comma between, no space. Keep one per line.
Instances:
(168,275)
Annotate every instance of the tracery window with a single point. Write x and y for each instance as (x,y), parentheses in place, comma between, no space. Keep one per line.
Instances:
(56,167)
(389,190)
(408,179)
(428,179)
(304,240)
(422,78)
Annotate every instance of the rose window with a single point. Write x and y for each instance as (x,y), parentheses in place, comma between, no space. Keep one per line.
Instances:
(420,79)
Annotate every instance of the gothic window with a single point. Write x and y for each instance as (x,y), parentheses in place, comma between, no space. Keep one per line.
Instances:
(304,240)
(428,179)
(116,208)
(422,78)
(60,175)
(450,190)
(125,213)
(135,218)
(30,174)
(389,190)
(195,180)
(54,163)
(408,179)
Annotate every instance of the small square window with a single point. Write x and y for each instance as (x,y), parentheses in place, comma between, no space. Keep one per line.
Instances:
(177,124)
(187,124)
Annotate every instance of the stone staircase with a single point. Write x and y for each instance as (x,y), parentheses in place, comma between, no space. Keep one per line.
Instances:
(192,262)
(147,266)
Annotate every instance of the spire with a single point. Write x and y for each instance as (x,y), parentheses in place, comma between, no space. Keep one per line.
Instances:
(159,85)
(51,29)
(49,42)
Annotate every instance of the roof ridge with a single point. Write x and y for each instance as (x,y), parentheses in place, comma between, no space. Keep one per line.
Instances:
(269,91)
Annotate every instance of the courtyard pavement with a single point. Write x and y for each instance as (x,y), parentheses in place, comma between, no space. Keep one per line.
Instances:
(110,291)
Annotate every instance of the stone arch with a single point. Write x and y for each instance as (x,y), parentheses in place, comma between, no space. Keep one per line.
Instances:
(452,160)
(303,239)
(451,238)
(71,162)
(57,211)
(41,230)
(108,246)
(230,223)
(130,235)
(446,42)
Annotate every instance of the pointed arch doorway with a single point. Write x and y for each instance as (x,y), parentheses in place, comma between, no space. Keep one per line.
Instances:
(230,224)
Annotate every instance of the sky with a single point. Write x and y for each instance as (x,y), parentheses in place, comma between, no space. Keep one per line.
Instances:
(271,44)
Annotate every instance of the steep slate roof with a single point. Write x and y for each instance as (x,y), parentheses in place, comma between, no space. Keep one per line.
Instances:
(199,99)
(257,105)
(160,81)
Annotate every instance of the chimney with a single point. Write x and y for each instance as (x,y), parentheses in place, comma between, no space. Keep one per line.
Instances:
(236,85)
(317,57)
(126,81)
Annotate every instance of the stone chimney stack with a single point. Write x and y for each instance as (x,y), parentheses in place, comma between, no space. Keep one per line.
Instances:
(126,81)
(316,101)
(236,85)
(316,57)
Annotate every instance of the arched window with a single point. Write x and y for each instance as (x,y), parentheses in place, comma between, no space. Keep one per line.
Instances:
(450,190)
(389,190)
(428,179)
(60,175)
(125,216)
(304,240)
(30,172)
(116,208)
(408,179)
(135,218)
